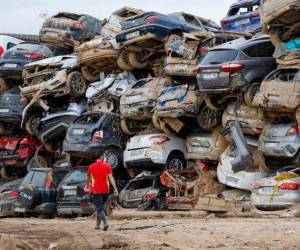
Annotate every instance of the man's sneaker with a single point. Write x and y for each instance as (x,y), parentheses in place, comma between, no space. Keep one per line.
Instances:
(97,227)
(105,228)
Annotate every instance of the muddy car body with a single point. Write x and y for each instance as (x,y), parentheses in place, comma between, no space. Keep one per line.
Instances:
(69,29)
(277,191)
(205,147)
(251,119)
(144,188)
(243,179)
(243,16)
(239,65)
(279,91)
(94,133)
(138,102)
(104,95)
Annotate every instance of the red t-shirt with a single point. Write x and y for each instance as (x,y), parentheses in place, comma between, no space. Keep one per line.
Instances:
(98,173)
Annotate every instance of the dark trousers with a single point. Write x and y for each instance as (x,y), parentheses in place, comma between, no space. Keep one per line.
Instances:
(99,201)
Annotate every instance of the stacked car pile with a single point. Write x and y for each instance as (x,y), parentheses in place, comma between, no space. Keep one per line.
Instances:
(155,92)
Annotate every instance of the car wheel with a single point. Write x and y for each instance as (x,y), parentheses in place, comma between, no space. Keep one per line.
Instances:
(208,118)
(211,104)
(171,39)
(32,123)
(113,158)
(124,127)
(90,74)
(37,162)
(3,85)
(123,61)
(250,94)
(5,175)
(175,160)
(138,60)
(76,84)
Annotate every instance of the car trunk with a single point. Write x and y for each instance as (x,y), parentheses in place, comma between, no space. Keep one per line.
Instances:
(172,96)
(141,141)
(135,21)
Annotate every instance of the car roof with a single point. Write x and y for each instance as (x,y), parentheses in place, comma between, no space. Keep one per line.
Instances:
(242,2)
(68,15)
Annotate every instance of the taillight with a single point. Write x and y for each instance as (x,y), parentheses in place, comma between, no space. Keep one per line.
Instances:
(232,67)
(255,14)
(1,52)
(224,22)
(198,70)
(98,135)
(49,181)
(150,196)
(78,26)
(259,130)
(32,55)
(151,19)
(13,194)
(159,139)
(256,186)
(289,186)
(293,131)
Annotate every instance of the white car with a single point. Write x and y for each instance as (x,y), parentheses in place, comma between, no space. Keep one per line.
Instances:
(7,42)
(241,179)
(154,150)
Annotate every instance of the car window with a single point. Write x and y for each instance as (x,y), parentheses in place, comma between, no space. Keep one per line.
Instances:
(177,16)
(33,47)
(286,75)
(191,19)
(88,119)
(58,177)
(141,84)
(36,178)
(75,176)
(10,45)
(219,56)
(140,184)
(265,49)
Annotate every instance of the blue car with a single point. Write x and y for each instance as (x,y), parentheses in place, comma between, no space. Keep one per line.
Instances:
(243,16)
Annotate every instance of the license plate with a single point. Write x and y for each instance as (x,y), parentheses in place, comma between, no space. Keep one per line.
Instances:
(78,131)
(242,21)
(232,179)
(132,35)
(4,110)
(210,75)
(196,149)
(267,190)
(10,65)
(136,152)
(19,209)
(271,144)
(70,192)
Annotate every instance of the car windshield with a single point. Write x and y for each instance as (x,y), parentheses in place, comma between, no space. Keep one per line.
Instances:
(140,184)
(243,9)
(286,75)
(88,119)
(219,56)
(27,46)
(75,176)
(36,178)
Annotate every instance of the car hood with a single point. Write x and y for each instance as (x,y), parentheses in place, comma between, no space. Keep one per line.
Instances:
(67,61)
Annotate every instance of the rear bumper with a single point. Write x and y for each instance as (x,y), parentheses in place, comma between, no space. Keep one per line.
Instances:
(91,56)
(7,208)
(83,149)
(48,208)
(14,118)
(143,163)
(75,210)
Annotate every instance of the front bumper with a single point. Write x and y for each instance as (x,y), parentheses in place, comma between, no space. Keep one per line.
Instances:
(142,163)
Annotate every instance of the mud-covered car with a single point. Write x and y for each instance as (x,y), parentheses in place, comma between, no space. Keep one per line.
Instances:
(242,16)
(145,190)
(243,179)
(105,94)
(69,29)
(94,133)
(279,91)
(154,150)
(8,197)
(239,65)
(280,144)
(137,104)
(277,191)
(252,120)
(38,190)
(13,61)
(205,147)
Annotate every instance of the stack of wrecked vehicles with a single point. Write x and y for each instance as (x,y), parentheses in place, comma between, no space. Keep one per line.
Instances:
(188,115)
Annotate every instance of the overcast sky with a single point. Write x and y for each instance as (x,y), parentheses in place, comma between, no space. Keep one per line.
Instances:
(26,16)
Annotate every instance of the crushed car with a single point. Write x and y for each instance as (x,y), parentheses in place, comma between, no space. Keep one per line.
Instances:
(69,29)
(137,104)
(94,133)
(243,15)
(233,68)
(154,150)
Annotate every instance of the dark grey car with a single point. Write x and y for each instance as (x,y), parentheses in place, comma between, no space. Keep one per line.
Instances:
(236,66)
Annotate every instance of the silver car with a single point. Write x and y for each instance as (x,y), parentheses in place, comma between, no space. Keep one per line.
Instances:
(277,191)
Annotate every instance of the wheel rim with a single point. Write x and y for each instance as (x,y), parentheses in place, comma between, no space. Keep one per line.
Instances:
(112,159)
(175,163)
(253,92)
(78,83)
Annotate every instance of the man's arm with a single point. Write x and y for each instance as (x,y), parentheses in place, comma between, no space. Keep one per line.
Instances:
(113,183)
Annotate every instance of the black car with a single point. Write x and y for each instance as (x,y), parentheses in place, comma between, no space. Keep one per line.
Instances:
(68,29)
(236,66)
(94,133)
(37,192)
(14,59)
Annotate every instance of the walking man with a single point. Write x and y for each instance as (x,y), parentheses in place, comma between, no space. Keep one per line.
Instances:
(98,177)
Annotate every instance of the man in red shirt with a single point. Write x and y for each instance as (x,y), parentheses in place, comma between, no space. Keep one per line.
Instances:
(98,177)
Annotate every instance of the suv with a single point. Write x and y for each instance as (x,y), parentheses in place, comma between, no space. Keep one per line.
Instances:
(69,29)
(237,66)
(7,42)
(37,192)
(94,133)
(243,16)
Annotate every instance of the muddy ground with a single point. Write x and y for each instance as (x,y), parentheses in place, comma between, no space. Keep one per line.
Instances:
(163,233)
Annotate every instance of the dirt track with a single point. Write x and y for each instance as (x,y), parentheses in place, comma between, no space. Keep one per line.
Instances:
(235,233)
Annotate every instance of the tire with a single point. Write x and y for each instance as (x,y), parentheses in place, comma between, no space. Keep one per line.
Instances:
(37,162)
(123,61)
(124,127)
(250,94)
(29,196)
(210,103)
(31,124)
(208,118)
(113,158)
(136,61)
(172,38)
(176,159)
(49,147)
(89,74)
(5,175)
(76,84)
(3,85)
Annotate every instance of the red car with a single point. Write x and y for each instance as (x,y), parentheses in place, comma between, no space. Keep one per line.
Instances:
(16,153)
